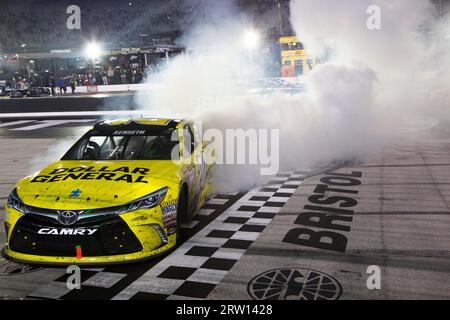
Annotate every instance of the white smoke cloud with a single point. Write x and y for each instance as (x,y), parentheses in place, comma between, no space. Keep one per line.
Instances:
(354,104)
(342,27)
(374,83)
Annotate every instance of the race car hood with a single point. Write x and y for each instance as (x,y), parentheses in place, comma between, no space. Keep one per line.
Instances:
(80,185)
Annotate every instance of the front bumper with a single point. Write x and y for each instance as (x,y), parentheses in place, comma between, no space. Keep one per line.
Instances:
(126,238)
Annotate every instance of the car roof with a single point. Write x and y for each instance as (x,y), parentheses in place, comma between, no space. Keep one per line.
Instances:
(140,123)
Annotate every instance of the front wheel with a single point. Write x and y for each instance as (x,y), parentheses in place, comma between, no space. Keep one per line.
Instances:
(182,207)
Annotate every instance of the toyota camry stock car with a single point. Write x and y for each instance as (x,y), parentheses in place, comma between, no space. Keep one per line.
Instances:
(118,195)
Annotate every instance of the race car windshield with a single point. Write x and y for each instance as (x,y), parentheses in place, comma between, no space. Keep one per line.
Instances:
(124,147)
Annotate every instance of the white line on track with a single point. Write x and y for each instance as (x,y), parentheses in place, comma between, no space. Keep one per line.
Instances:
(49,123)
(25,115)
(15,123)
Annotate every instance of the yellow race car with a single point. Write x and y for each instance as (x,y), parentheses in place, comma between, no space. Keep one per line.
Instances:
(118,195)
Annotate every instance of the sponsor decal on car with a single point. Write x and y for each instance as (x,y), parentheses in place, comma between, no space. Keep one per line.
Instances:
(170,222)
(169,207)
(67,231)
(169,214)
(140,218)
(129,132)
(75,193)
(127,174)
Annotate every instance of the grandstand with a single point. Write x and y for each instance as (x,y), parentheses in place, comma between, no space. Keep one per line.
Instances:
(137,36)
(40,25)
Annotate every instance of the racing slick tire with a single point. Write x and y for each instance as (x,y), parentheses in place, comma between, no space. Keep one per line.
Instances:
(182,207)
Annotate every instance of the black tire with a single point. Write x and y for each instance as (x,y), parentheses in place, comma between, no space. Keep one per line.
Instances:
(182,207)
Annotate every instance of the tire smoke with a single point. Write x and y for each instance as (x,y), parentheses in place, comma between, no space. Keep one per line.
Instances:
(355,101)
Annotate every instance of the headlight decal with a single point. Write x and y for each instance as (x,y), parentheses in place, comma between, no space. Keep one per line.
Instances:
(147,202)
(14,202)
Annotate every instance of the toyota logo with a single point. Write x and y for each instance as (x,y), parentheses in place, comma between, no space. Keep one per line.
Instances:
(67,218)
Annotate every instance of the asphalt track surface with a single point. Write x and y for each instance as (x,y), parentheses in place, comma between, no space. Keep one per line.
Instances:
(390,211)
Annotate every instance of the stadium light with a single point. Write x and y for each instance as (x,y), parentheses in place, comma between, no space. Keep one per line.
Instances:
(92,50)
(251,39)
